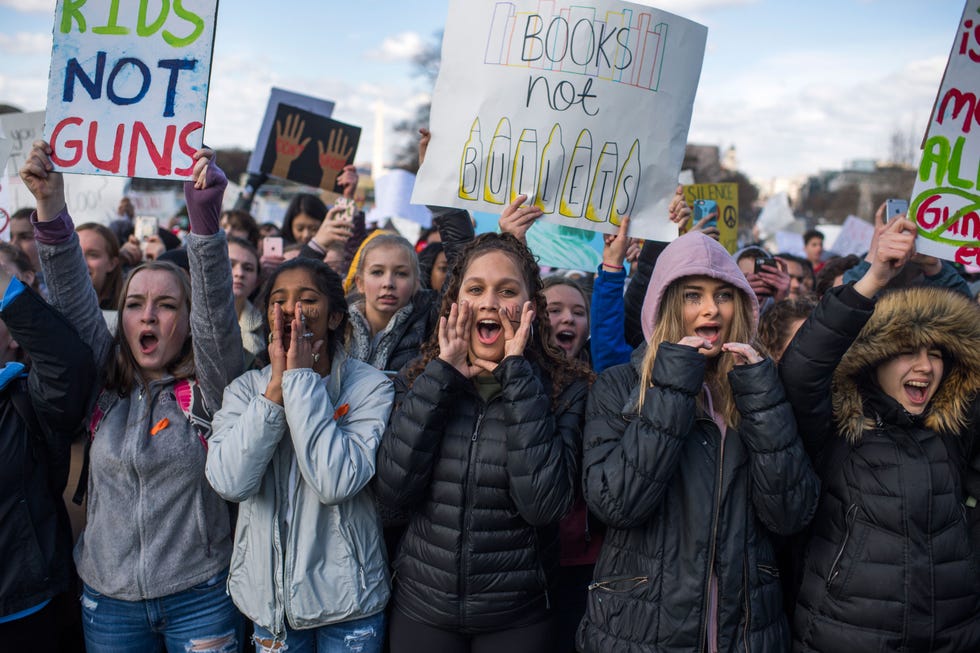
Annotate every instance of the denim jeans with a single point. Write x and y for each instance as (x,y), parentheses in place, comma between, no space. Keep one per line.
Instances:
(201,619)
(357,636)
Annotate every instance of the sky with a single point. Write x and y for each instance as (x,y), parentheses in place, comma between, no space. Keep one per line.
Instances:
(796,87)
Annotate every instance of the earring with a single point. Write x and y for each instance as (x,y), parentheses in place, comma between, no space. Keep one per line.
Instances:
(316,358)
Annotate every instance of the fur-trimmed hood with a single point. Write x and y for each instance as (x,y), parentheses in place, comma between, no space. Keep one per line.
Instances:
(905,320)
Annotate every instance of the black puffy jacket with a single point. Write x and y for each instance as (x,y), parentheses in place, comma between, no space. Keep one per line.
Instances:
(486,485)
(681,503)
(35,536)
(889,564)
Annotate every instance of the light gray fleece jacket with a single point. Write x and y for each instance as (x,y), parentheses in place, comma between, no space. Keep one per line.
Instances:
(308,546)
(154,525)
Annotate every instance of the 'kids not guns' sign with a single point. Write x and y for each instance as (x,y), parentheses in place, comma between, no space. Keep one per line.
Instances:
(582,105)
(946,198)
(128,86)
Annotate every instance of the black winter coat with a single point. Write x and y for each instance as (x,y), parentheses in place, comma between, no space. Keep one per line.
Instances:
(889,565)
(486,485)
(35,536)
(682,504)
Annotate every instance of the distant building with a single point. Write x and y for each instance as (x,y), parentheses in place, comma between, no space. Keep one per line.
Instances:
(859,189)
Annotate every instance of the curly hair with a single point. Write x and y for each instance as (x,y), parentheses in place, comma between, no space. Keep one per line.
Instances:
(774,324)
(539,350)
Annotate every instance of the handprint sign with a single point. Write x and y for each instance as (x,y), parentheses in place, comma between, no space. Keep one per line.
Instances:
(333,157)
(288,144)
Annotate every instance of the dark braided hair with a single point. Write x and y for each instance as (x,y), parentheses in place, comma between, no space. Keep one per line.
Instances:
(560,370)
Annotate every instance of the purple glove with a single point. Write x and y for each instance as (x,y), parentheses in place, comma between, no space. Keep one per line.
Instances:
(204,206)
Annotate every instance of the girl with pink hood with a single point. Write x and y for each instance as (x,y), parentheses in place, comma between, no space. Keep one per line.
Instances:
(692,458)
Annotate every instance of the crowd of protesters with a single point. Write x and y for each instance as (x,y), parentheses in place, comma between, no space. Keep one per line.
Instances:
(359,443)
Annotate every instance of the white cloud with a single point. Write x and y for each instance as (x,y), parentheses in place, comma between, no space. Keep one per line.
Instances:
(787,120)
(40,6)
(401,47)
(25,43)
(28,93)
(686,7)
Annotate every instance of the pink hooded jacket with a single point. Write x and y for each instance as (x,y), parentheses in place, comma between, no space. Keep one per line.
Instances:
(692,254)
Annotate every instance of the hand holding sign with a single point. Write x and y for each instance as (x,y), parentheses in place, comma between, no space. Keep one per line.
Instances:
(333,157)
(890,251)
(46,185)
(517,218)
(288,144)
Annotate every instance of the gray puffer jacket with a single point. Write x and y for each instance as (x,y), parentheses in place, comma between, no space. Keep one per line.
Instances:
(154,525)
(309,552)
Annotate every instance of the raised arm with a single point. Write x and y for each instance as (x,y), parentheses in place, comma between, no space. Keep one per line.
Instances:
(218,351)
(607,339)
(69,288)
(808,365)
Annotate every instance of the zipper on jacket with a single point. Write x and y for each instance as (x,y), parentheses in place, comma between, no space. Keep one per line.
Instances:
(932,589)
(714,541)
(356,550)
(748,601)
(278,579)
(464,516)
(848,522)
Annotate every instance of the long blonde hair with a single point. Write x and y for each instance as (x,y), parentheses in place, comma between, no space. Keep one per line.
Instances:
(669,327)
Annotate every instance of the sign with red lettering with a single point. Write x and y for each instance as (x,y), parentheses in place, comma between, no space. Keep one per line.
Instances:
(128,86)
(582,105)
(946,198)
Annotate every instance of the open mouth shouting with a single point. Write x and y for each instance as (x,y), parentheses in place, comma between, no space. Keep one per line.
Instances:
(565,339)
(148,341)
(488,331)
(710,332)
(917,392)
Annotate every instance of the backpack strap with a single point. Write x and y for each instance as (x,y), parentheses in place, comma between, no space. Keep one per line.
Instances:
(103,403)
(190,398)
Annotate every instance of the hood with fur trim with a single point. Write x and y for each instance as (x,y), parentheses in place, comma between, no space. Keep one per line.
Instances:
(693,254)
(906,320)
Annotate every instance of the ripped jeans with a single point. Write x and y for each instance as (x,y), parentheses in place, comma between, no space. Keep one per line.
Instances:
(201,619)
(357,636)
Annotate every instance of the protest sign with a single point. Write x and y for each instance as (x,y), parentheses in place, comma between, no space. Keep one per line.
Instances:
(854,237)
(393,199)
(279,96)
(5,147)
(309,148)
(726,196)
(21,130)
(945,200)
(90,198)
(128,86)
(584,106)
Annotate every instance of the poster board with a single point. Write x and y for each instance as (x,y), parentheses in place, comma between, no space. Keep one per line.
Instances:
(584,106)
(945,203)
(279,96)
(726,195)
(393,198)
(854,237)
(308,148)
(90,198)
(128,86)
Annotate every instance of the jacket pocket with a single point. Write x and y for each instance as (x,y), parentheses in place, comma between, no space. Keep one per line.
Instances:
(619,584)
(834,582)
(357,556)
